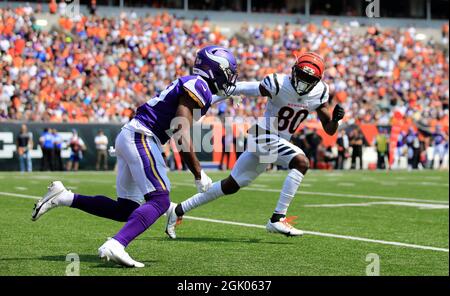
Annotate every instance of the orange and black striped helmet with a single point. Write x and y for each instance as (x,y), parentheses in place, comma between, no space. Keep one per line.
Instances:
(307,72)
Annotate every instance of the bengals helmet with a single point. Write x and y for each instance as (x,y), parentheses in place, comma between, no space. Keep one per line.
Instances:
(307,72)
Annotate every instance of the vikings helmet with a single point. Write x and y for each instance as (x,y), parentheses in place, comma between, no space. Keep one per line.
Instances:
(218,67)
(307,72)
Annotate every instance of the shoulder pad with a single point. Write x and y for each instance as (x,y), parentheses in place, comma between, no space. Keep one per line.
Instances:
(271,83)
(199,91)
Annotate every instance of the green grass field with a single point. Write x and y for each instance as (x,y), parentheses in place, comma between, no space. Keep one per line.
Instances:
(341,212)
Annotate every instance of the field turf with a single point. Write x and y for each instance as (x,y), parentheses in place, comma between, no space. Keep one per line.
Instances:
(402,217)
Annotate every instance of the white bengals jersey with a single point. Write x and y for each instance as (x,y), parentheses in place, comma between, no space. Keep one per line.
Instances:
(288,106)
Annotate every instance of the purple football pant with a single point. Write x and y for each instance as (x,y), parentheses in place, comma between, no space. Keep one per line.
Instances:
(105,207)
(157,204)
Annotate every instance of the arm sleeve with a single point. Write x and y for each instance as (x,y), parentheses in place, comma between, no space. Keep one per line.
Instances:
(250,89)
(271,84)
(217,99)
(325,95)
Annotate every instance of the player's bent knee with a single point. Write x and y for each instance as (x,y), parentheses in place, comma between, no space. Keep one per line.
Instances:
(229,186)
(160,198)
(300,163)
(125,208)
(123,216)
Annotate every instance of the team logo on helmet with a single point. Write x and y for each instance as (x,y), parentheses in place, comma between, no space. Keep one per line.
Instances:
(309,70)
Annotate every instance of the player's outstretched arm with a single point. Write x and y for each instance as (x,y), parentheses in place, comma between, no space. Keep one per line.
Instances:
(244,88)
(185,110)
(329,122)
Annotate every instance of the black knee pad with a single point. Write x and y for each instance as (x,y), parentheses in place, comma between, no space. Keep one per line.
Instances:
(125,208)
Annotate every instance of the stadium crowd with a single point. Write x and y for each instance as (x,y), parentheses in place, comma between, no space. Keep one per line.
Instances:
(97,69)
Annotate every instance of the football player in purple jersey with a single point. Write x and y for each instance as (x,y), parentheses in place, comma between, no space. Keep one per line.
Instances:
(440,146)
(142,184)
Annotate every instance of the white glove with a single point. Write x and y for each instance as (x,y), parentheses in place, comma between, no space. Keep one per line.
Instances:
(112,151)
(237,100)
(204,183)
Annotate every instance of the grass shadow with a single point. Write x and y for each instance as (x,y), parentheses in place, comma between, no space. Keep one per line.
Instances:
(220,240)
(91,259)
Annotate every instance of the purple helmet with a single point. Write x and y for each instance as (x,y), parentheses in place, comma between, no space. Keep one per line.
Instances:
(218,66)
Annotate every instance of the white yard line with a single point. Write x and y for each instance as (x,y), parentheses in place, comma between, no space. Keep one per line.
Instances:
(347,237)
(360,196)
(21,188)
(422,206)
(20,195)
(345,184)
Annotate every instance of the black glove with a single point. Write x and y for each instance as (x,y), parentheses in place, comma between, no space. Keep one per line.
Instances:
(338,113)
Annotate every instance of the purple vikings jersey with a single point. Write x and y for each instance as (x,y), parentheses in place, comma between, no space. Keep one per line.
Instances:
(158,112)
(438,138)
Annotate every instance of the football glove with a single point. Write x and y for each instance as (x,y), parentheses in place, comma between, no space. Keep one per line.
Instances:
(237,100)
(338,113)
(112,151)
(204,183)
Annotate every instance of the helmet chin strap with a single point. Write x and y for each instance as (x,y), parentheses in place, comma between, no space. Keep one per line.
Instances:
(213,87)
(219,91)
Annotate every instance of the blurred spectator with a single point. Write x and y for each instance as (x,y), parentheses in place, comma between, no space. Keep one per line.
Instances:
(299,139)
(98,69)
(46,143)
(227,144)
(382,145)
(326,159)
(62,7)
(93,7)
(424,143)
(313,139)
(24,144)
(240,141)
(57,142)
(342,146)
(52,7)
(77,147)
(356,142)
(440,146)
(169,156)
(401,149)
(101,145)
(412,141)
(444,31)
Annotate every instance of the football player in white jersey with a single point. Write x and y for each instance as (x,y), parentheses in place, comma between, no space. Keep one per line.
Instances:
(291,99)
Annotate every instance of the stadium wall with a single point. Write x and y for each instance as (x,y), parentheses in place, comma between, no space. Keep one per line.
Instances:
(9,159)
(9,130)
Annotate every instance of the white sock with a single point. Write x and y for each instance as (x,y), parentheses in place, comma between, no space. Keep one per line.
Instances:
(65,199)
(290,186)
(202,198)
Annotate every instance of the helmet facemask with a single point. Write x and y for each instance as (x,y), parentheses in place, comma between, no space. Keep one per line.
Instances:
(230,85)
(303,79)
